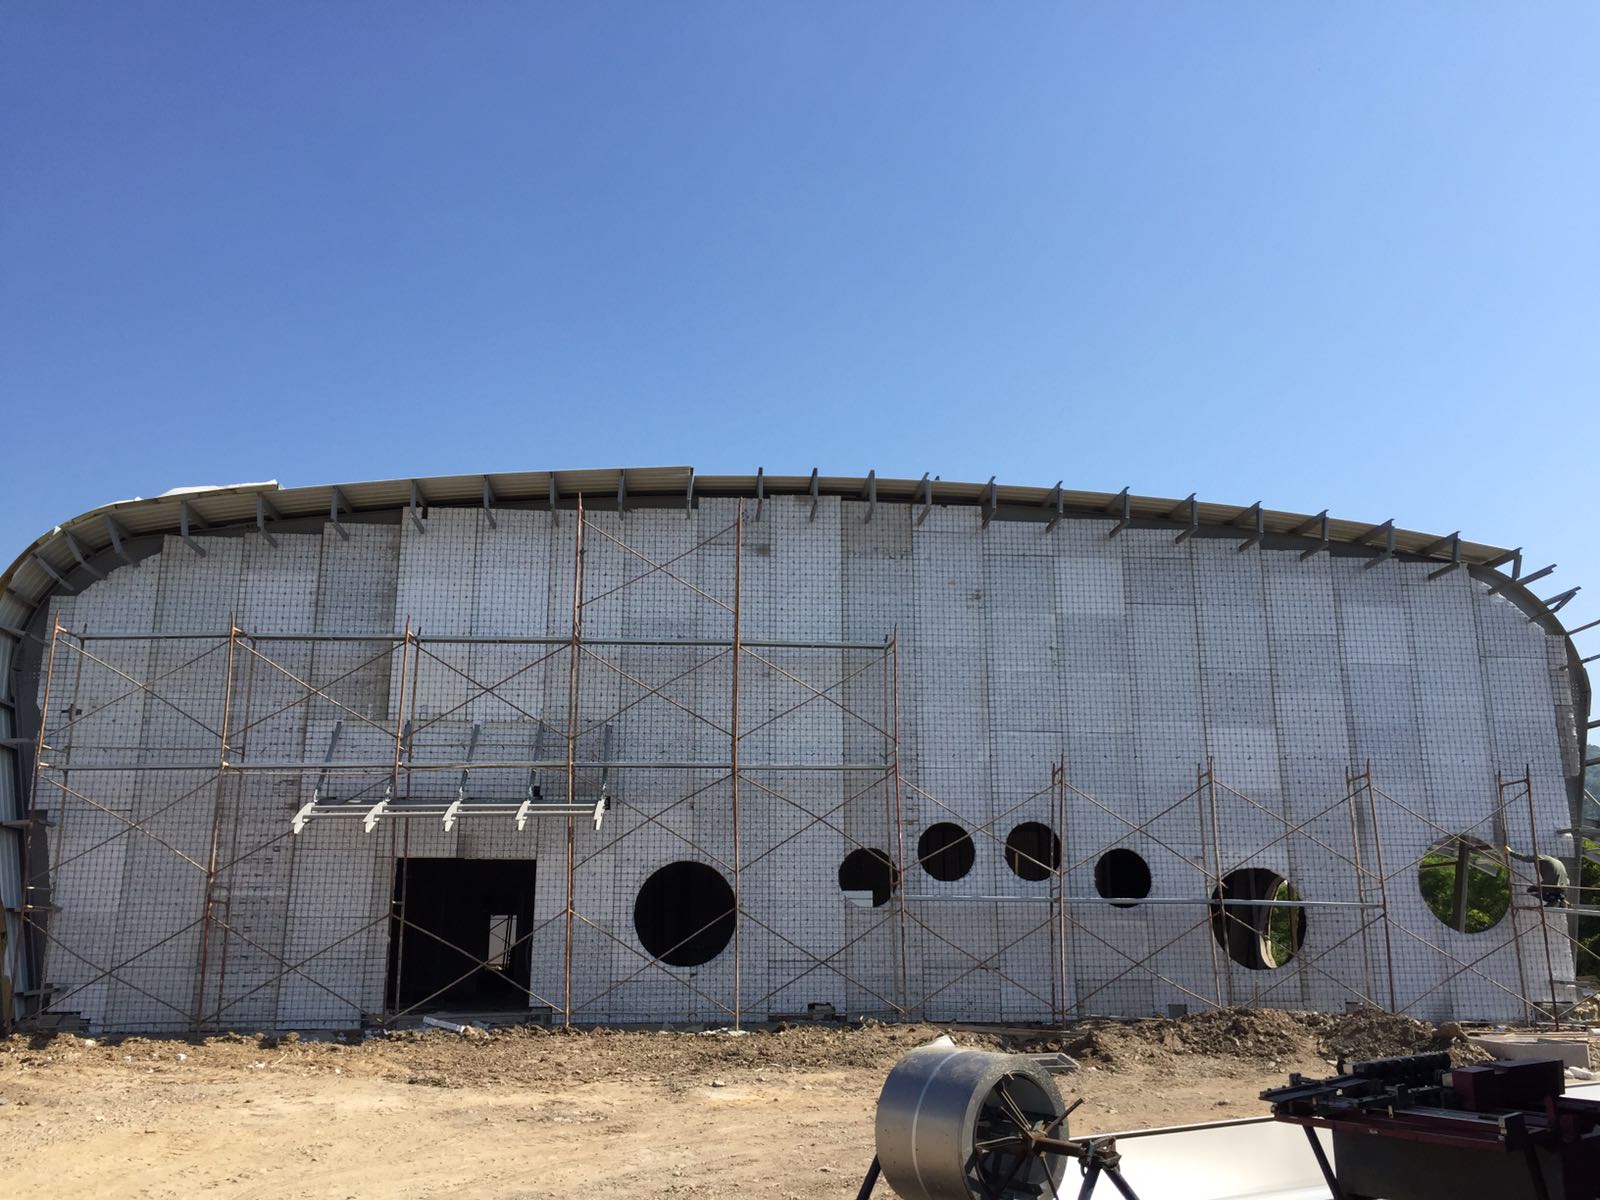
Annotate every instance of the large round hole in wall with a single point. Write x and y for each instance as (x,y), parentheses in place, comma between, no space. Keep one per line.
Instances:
(684,914)
(867,877)
(1465,884)
(1122,876)
(1256,932)
(945,851)
(1033,851)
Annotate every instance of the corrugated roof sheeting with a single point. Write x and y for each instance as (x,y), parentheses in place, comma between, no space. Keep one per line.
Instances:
(41,566)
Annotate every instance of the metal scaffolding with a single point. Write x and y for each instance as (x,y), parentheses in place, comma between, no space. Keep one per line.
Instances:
(181,770)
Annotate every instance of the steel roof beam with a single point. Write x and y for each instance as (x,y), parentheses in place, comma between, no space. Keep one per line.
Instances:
(688,499)
(872,496)
(1060,498)
(761,491)
(815,494)
(489,503)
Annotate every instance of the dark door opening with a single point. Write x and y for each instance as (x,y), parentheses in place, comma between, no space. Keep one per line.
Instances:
(463,942)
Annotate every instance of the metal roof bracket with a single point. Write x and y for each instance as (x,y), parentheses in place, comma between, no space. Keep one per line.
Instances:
(489,503)
(1387,550)
(1257,526)
(117,535)
(871,492)
(1193,507)
(555,494)
(688,510)
(44,566)
(77,553)
(622,492)
(925,491)
(1121,507)
(1319,524)
(1455,554)
(761,491)
(990,503)
(814,494)
(414,510)
(184,517)
(1524,580)
(263,511)
(335,502)
(1556,603)
(1060,498)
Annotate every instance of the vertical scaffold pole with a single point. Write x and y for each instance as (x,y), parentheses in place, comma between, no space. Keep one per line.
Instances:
(216,824)
(32,944)
(1206,787)
(733,760)
(574,650)
(1539,909)
(1370,980)
(1503,834)
(899,842)
(1383,883)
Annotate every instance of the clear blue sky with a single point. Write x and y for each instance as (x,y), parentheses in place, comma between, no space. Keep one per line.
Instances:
(1340,255)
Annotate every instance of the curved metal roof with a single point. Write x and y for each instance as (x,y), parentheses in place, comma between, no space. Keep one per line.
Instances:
(53,559)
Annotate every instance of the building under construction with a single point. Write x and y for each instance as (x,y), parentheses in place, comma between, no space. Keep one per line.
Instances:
(647,746)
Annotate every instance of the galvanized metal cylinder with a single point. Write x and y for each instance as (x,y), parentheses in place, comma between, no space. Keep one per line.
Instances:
(939,1102)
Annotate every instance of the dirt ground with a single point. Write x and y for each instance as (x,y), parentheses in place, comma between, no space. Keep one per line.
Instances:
(530,1114)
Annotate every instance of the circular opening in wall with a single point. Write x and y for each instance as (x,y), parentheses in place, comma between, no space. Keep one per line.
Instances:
(1122,876)
(684,914)
(867,877)
(1252,918)
(945,851)
(1465,884)
(1033,851)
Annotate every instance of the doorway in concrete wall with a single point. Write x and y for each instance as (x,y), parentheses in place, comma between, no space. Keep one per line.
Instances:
(458,939)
